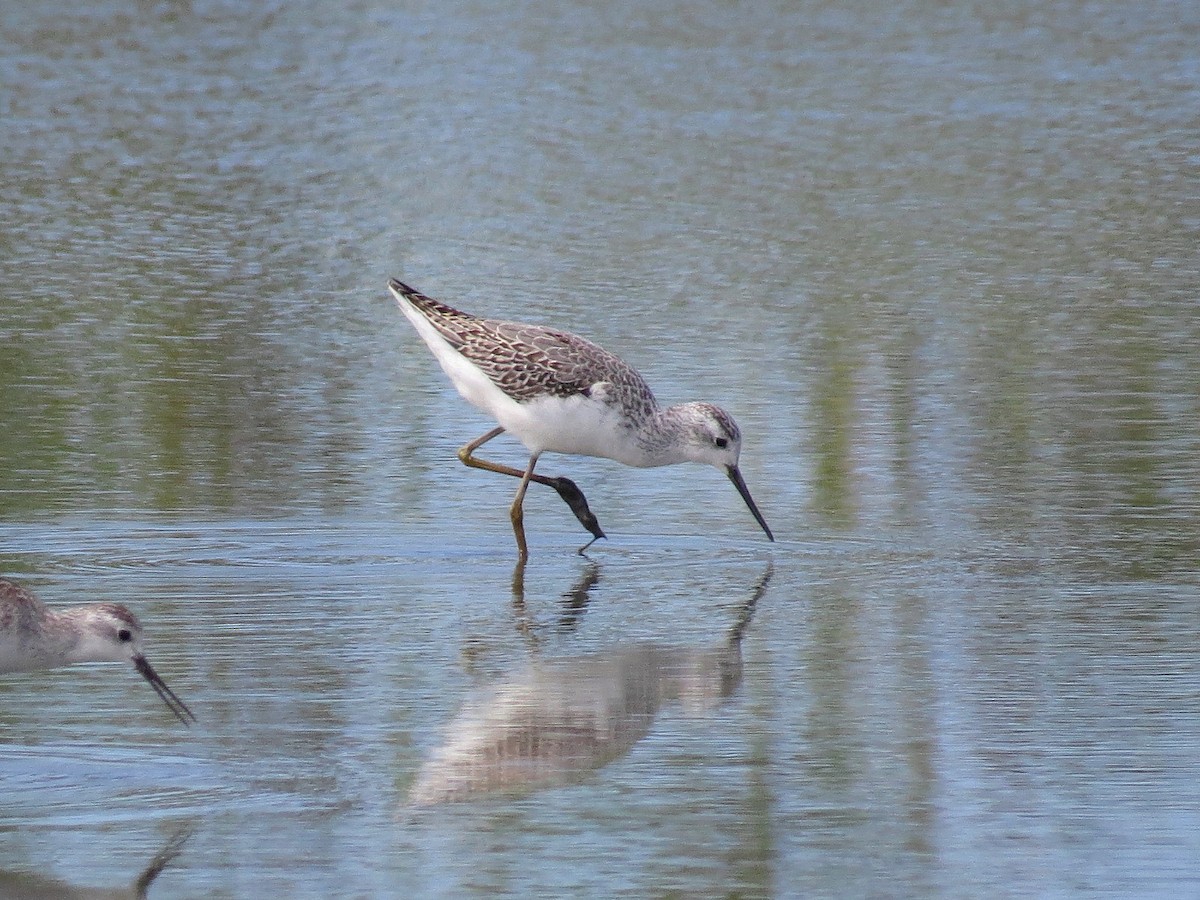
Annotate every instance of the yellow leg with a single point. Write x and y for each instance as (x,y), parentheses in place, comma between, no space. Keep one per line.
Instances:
(516,512)
(465,455)
(566,488)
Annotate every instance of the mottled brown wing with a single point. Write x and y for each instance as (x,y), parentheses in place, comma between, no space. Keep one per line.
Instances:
(528,361)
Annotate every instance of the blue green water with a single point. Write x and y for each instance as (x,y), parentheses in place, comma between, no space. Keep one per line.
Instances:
(938,261)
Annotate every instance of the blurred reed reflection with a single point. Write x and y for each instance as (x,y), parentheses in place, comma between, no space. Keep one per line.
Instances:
(562,718)
(28,886)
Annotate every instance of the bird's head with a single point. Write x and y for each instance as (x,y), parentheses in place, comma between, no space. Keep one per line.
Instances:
(713,438)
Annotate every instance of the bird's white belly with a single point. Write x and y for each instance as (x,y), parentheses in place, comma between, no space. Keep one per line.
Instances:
(579,425)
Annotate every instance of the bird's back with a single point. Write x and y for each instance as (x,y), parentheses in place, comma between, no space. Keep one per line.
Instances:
(21,617)
(531,361)
(20,610)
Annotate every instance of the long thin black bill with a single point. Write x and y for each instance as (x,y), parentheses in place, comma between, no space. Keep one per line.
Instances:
(176,705)
(738,482)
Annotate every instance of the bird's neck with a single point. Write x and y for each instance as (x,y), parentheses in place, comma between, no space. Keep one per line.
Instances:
(661,437)
(63,632)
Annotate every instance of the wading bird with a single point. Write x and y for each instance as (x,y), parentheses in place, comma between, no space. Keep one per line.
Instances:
(33,637)
(557,392)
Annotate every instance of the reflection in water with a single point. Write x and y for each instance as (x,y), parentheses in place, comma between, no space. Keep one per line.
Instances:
(563,718)
(574,601)
(26,886)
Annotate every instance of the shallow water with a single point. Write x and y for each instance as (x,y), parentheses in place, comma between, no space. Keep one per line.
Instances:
(939,262)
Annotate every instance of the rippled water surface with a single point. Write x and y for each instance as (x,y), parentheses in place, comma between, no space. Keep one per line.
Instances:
(939,261)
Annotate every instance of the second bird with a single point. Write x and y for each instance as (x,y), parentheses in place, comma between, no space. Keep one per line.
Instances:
(35,637)
(558,392)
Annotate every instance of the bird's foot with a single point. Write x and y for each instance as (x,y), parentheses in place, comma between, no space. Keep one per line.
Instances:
(573,496)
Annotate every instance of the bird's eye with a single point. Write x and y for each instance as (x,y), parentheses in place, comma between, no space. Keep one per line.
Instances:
(125,635)
(721,442)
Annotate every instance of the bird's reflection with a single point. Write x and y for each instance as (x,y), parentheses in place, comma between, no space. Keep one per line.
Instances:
(26,886)
(574,601)
(563,718)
